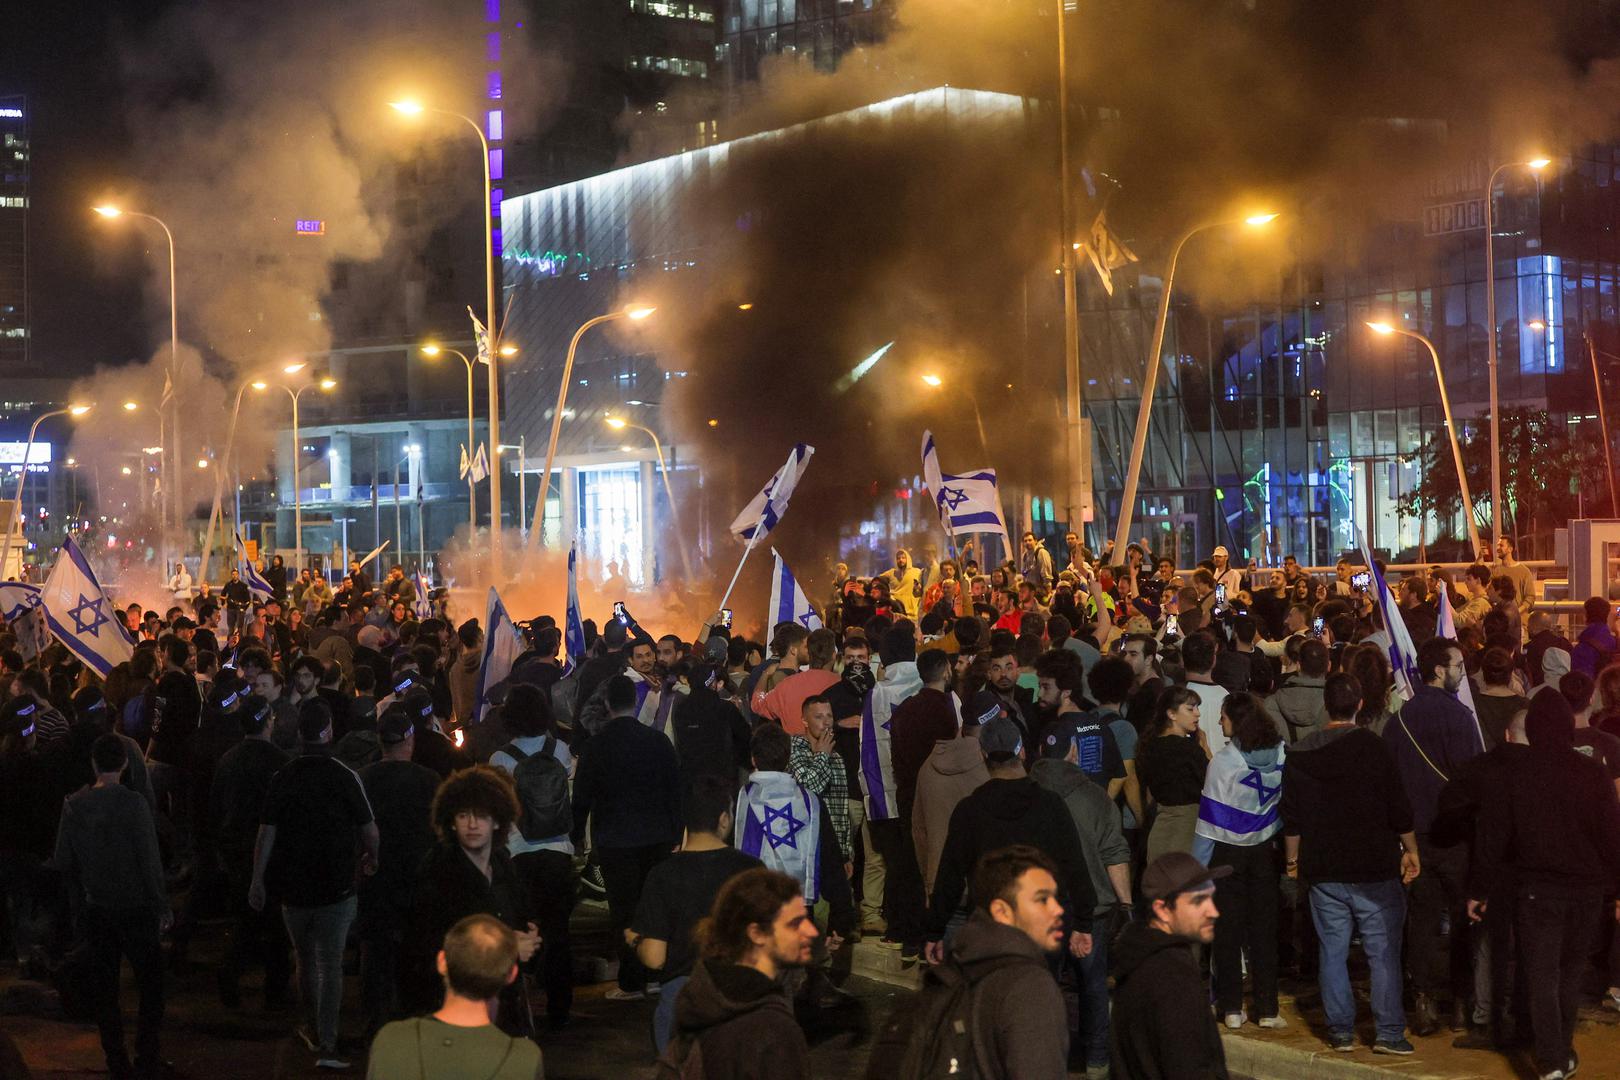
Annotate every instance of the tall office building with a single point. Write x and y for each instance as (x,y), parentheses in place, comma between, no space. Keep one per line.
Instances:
(823,30)
(14,164)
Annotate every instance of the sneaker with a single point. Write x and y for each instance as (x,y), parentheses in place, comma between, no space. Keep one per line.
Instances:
(1394,1046)
(1343,1044)
(330,1062)
(1556,1074)
(1574,1063)
(307,1037)
(909,953)
(887,942)
(653,987)
(1236,1020)
(1275,1023)
(591,881)
(618,994)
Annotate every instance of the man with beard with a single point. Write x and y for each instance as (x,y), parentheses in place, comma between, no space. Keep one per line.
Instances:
(905,584)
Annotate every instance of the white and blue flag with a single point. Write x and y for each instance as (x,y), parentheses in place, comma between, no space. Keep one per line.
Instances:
(968,502)
(17,597)
(1240,803)
(257,585)
(779,823)
(763,512)
(573,622)
(81,615)
(480,335)
(424,596)
(503,642)
(788,602)
(1402,652)
(1446,627)
(932,477)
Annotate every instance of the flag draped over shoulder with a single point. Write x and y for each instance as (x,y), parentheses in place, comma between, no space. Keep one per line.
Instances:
(258,587)
(1240,803)
(81,615)
(764,510)
(502,644)
(573,623)
(788,602)
(779,823)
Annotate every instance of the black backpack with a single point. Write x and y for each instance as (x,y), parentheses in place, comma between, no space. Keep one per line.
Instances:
(542,787)
(932,1035)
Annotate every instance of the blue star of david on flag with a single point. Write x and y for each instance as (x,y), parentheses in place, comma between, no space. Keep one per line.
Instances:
(76,609)
(788,602)
(87,616)
(784,815)
(1257,781)
(951,497)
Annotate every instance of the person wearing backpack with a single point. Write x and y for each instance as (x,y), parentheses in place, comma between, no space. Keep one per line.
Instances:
(542,853)
(732,1019)
(478,962)
(991,1010)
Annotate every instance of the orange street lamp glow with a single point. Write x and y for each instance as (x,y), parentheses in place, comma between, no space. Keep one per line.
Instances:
(1259,219)
(1539,163)
(1380,328)
(508,350)
(407,107)
(327,384)
(130,406)
(614,422)
(295,367)
(107,211)
(933,380)
(79,410)
(639,313)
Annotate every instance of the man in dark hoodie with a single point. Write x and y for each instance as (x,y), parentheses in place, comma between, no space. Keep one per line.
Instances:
(1010,809)
(1347,828)
(733,1012)
(1556,828)
(1163,1027)
(1596,647)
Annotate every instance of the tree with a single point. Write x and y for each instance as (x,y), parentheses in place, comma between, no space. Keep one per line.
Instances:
(1545,473)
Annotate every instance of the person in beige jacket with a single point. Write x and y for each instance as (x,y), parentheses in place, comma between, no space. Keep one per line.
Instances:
(952,772)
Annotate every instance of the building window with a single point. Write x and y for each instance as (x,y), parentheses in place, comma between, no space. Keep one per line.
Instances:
(494,120)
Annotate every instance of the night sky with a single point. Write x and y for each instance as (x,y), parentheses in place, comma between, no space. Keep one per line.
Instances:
(86,278)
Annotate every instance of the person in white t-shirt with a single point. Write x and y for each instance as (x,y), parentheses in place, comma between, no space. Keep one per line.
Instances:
(1198,656)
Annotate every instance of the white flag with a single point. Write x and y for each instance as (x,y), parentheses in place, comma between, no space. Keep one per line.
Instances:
(502,646)
(81,615)
(481,336)
(1106,251)
(466,464)
(1402,653)
(479,469)
(764,510)
(932,478)
(376,551)
(788,602)
(1446,627)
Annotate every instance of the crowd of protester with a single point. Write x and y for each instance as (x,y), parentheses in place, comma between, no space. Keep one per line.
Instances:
(1156,793)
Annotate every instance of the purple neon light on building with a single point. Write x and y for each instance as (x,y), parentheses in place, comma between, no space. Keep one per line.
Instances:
(494,86)
(494,125)
(497,164)
(492,46)
(492,10)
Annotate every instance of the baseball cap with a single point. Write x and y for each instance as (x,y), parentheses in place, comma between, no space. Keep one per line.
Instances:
(714,649)
(1001,736)
(419,702)
(982,708)
(1056,738)
(1220,549)
(255,714)
(1177,871)
(406,681)
(225,691)
(398,723)
(87,702)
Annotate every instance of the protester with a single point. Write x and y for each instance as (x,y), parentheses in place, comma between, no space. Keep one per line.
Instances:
(1162,1026)
(1171,760)
(954,769)
(479,960)
(891,837)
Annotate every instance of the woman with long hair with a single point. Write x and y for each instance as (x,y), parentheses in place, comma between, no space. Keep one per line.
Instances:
(1171,761)
(1238,823)
(1369,665)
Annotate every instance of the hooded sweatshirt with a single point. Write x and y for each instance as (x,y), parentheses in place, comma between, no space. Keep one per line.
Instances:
(1096,819)
(742,1025)
(1163,1027)
(1020,1025)
(952,772)
(1005,812)
(1344,800)
(900,681)
(464,683)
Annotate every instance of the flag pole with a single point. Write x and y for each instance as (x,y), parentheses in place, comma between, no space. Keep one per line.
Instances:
(747,551)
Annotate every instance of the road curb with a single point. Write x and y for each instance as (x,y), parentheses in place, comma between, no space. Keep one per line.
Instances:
(1249,1056)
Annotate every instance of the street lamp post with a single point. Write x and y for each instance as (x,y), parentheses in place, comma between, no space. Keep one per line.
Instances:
(22,474)
(1387,329)
(618,423)
(171,489)
(215,514)
(636,313)
(1535,165)
(472,491)
(1603,423)
(412,108)
(297,459)
(1075,428)
(1144,412)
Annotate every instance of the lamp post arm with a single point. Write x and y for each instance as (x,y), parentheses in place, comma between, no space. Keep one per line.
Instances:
(539,516)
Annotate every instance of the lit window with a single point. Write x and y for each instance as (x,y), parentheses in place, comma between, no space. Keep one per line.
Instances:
(492,10)
(494,86)
(495,125)
(492,46)
(497,164)
(495,196)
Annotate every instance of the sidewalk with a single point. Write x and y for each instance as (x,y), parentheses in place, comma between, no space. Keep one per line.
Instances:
(1299,1052)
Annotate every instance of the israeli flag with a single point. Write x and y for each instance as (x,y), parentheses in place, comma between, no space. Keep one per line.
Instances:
(376,551)
(424,596)
(932,478)
(900,681)
(573,623)
(762,513)
(971,503)
(81,615)
(257,586)
(788,602)
(502,644)
(1402,652)
(1240,803)
(17,597)
(1447,628)
(481,336)
(779,823)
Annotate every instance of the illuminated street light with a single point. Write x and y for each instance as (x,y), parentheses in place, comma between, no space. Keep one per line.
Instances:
(1155,360)
(294,368)
(130,406)
(79,410)
(108,211)
(431,351)
(636,313)
(297,456)
(125,470)
(616,423)
(1535,165)
(407,107)
(327,384)
(22,473)
(508,350)
(202,463)
(933,380)
(1384,329)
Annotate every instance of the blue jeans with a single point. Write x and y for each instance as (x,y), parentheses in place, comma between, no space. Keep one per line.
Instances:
(664,1014)
(318,935)
(1093,972)
(1378,910)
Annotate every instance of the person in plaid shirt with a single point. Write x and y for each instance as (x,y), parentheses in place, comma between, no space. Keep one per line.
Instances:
(816,766)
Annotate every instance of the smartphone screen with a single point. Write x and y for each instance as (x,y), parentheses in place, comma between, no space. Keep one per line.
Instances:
(620,613)
(1220,594)
(1318,626)
(725,617)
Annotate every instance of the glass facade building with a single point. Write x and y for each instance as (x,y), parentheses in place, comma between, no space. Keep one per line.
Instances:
(14,169)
